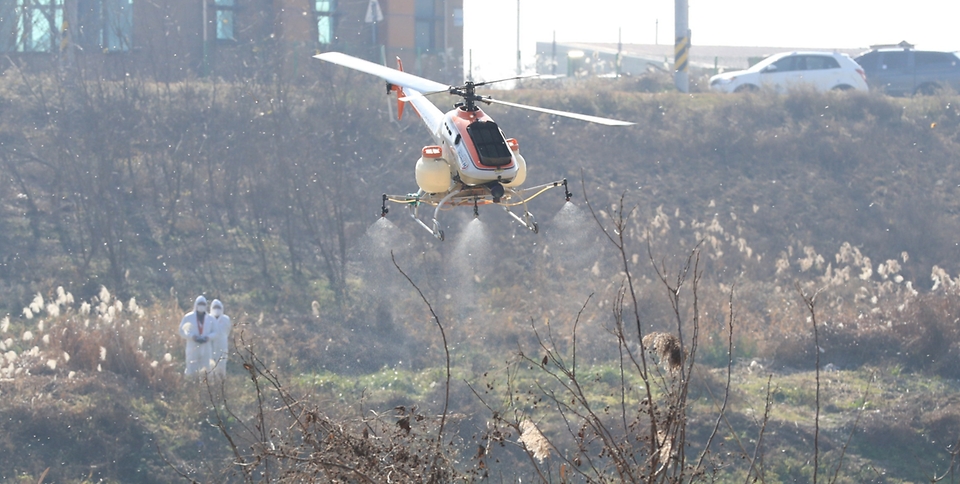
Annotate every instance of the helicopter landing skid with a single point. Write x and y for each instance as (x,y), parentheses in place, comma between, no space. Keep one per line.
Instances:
(466,195)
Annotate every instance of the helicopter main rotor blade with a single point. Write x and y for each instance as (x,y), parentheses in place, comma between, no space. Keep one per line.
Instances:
(476,84)
(582,117)
(514,78)
(392,76)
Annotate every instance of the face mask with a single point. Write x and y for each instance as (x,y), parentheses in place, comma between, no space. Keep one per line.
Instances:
(201,308)
(216,312)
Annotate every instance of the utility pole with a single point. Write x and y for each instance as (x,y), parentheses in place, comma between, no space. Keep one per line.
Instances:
(553,55)
(518,38)
(619,51)
(206,42)
(681,49)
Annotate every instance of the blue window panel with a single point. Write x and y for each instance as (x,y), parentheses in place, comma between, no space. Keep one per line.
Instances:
(31,25)
(117,25)
(226,12)
(423,30)
(325,10)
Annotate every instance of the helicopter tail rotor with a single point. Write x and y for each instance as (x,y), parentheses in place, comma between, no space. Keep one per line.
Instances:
(401,97)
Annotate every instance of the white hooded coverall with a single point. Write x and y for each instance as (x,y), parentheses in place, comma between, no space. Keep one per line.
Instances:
(221,343)
(199,355)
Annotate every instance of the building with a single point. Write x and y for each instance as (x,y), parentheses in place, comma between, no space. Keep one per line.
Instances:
(177,39)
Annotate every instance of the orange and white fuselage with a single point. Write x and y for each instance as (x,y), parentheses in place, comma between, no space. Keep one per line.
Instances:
(462,151)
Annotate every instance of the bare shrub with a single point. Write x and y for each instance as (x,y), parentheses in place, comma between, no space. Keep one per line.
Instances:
(918,333)
(302,439)
(86,427)
(929,334)
(942,425)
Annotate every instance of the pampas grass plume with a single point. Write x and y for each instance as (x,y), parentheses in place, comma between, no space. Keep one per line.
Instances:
(533,440)
(37,304)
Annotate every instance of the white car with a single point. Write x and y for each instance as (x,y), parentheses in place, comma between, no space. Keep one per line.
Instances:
(822,71)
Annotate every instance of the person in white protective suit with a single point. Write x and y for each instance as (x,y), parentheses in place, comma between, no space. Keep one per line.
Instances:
(199,328)
(221,343)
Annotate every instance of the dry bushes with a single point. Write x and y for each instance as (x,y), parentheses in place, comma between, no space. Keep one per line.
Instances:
(917,332)
(85,427)
(90,389)
(302,441)
(58,337)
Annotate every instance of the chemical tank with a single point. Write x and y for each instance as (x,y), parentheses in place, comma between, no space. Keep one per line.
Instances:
(433,172)
(521,164)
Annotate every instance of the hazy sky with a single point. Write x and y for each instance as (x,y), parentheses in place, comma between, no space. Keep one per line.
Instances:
(490,26)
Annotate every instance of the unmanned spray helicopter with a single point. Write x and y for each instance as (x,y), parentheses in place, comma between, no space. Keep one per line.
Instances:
(472,163)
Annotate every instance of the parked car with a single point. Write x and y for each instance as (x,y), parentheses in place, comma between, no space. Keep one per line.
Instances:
(899,70)
(821,70)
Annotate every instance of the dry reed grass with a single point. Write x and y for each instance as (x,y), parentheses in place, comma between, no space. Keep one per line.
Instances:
(533,440)
(57,336)
(666,347)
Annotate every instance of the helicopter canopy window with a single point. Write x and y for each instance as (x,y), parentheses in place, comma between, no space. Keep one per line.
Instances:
(489,141)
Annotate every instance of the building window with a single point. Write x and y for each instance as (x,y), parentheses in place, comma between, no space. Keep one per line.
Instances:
(117,25)
(425,26)
(326,10)
(30,25)
(225,19)
(105,24)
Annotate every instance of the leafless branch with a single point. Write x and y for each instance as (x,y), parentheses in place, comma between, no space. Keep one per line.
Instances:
(446,348)
(811,302)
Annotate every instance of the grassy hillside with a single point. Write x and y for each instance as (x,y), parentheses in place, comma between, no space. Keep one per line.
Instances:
(265,191)
(267,196)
